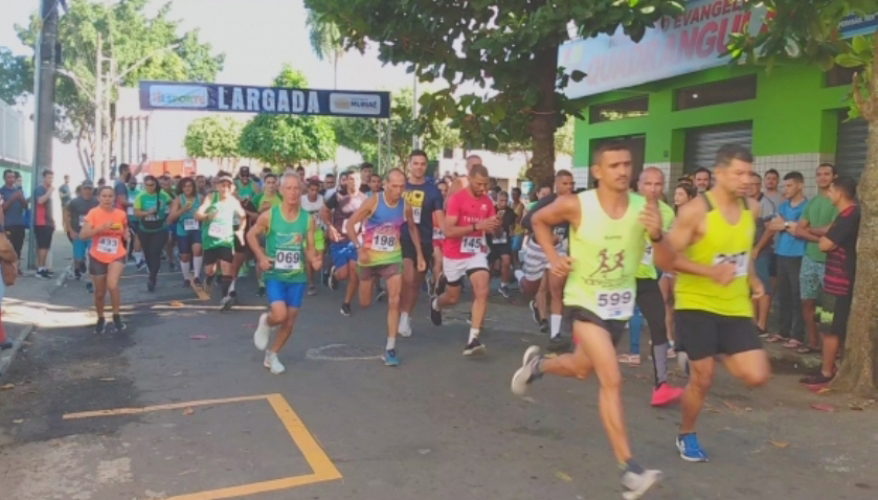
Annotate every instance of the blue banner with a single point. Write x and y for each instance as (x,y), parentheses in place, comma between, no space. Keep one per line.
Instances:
(195,96)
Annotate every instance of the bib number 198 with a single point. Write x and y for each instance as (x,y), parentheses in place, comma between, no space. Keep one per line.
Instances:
(383,242)
(287,260)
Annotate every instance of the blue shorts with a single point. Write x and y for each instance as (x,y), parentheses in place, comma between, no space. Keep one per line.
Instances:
(80,248)
(517,240)
(289,293)
(342,253)
(185,242)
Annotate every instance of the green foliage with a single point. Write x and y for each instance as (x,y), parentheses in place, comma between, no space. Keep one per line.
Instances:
(288,139)
(142,46)
(324,37)
(511,46)
(361,135)
(214,137)
(15,80)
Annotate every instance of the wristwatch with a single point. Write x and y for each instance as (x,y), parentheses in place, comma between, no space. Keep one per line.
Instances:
(786,224)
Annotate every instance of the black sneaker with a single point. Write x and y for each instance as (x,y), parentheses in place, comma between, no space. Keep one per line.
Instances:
(558,345)
(324,278)
(261,292)
(333,284)
(90,287)
(77,275)
(196,281)
(117,322)
(544,326)
(441,285)
(99,327)
(6,345)
(186,283)
(208,281)
(534,312)
(141,266)
(150,285)
(346,309)
(226,303)
(473,348)
(435,314)
(382,294)
(172,267)
(816,379)
(42,274)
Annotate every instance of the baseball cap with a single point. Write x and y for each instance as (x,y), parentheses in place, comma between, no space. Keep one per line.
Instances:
(225,178)
(244,171)
(87,184)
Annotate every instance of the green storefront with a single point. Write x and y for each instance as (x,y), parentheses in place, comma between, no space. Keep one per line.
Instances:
(687,101)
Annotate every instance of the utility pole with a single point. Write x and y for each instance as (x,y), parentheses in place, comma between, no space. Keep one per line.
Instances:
(415,141)
(99,110)
(44,109)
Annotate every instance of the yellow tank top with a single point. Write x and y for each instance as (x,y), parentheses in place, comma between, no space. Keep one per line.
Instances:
(606,253)
(722,242)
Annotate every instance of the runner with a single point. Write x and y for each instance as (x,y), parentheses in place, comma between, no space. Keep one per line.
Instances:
(650,303)
(107,227)
(217,215)
(267,198)
(462,181)
(381,254)
(427,203)
(340,207)
(470,215)
(715,279)
(125,189)
(533,269)
(74,214)
(500,243)
(168,188)
(289,247)
(188,230)
(438,239)
(152,206)
(313,203)
(607,228)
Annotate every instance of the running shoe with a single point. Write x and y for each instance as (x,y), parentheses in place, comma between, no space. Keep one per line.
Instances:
(117,322)
(504,290)
(346,309)
(262,333)
(390,358)
(312,290)
(333,284)
(534,312)
(636,484)
(6,345)
(557,344)
(99,327)
(529,371)
(382,294)
(186,283)
(689,448)
(435,313)
(273,364)
(150,285)
(226,303)
(196,281)
(90,287)
(261,292)
(405,327)
(665,394)
(474,347)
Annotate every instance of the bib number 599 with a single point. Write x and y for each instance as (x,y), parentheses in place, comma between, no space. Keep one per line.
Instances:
(614,299)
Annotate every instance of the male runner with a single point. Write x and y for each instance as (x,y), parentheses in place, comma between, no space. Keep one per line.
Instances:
(650,302)
(715,276)
(607,228)
(535,263)
(426,202)
(217,214)
(313,203)
(289,248)
(380,255)
(340,207)
(74,216)
(465,253)
(462,181)
(125,202)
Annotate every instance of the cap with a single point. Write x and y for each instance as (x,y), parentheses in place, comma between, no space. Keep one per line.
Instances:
(87,184)
(225,178)
(244,170)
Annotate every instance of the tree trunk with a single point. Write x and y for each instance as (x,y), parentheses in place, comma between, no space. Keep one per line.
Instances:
(544,119)
(859,370)
(82,156)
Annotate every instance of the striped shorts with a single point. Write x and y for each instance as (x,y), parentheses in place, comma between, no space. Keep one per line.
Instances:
(535,262)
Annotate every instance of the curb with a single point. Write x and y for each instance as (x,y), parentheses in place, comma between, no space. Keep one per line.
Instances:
(8,356)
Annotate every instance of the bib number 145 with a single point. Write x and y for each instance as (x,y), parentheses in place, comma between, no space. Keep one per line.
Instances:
(471,244)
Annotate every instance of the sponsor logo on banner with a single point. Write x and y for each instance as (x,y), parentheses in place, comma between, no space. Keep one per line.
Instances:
(355,104)
(178,96)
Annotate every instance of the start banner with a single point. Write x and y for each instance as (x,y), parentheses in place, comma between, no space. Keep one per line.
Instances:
(196,96)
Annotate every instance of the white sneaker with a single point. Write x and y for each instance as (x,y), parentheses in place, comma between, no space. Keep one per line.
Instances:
(262,333)
(273,364)
(405,327)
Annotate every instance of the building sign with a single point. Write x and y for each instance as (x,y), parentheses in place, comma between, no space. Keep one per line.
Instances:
(269,100)
(693,41)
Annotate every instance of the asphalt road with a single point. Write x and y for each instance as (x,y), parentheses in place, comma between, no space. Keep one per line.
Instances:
(192,414)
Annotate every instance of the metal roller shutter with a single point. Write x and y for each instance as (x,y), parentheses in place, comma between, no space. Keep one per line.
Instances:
(850,150)
(702,143)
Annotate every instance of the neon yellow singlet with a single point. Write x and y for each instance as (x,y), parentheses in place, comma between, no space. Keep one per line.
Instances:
(647,267)
(606,253)
(721,242)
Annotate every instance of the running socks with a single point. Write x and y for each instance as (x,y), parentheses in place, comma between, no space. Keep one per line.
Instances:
(226,284)
(184,268)
(473,334)
(555,322)
(138,258)
(197,262)
(391,343)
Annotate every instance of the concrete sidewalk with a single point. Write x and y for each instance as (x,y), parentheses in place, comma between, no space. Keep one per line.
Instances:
(23,307)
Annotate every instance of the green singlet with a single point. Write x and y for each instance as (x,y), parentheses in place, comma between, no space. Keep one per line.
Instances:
(219,231)
(285,243)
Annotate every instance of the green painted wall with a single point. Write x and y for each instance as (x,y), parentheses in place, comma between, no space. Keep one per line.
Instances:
(793,112)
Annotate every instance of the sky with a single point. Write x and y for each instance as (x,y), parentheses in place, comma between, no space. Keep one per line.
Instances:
(257,36)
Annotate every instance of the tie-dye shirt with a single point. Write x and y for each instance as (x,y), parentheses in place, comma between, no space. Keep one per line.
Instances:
(381,233)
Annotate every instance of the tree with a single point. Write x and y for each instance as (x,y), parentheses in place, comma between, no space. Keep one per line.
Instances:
(216,137)
(511,46)
(809,31)
(14,81)
(325,41)
(136,45)
(288,139)
(361,134)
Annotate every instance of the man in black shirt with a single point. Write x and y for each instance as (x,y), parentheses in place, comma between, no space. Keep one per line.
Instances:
(840,245)
(500,242)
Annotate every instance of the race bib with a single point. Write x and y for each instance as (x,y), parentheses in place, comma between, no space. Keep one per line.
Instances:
(108,245)
(151,218)
(500,240)
(437,234)
(81,220)
(471,244)
(617,304)
(131,211)
(219,231)
(416,214)
(190,224)
(558,232)
(647,256)
(383,242)
(740,260)
(288,260)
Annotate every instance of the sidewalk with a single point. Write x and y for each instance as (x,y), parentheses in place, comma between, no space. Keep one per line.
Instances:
(23,307)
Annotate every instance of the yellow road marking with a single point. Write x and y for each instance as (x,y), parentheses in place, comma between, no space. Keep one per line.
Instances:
(322,467)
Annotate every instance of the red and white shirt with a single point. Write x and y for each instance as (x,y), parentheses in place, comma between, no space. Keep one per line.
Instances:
(469,210)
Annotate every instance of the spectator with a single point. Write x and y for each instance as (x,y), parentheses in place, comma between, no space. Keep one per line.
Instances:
(14,206)
(763,251)
(64,192)
(703,179)
(789,251)
(772,179)
(366,169)
(840,245)
(44,223)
